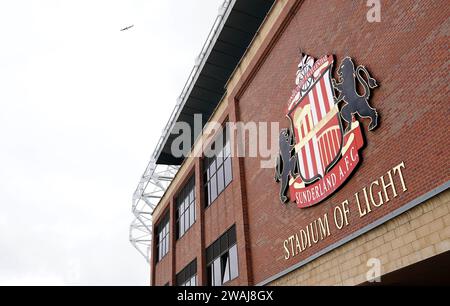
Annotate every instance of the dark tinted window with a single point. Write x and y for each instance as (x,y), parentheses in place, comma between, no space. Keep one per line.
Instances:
(188,276)
(222,259)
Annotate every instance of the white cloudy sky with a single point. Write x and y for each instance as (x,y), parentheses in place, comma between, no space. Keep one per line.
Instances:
(81,107)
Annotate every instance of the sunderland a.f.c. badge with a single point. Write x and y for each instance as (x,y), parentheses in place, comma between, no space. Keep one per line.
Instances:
(321,148)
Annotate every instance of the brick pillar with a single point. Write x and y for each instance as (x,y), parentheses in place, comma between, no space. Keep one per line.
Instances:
(153,257)
(200,219)
(172,242)
(240,203)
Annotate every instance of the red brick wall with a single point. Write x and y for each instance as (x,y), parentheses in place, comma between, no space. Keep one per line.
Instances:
(408,54)
(163,271)
(220,216)
(186,247)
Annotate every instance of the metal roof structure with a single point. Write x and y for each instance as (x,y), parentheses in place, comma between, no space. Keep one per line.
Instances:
(234,28)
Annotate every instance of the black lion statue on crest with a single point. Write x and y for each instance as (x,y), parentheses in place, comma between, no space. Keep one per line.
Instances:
(355,103)
(286,163)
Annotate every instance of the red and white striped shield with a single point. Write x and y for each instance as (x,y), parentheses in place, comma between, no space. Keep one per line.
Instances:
(316,123)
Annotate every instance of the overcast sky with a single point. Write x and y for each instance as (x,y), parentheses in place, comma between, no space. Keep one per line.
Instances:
(82,107)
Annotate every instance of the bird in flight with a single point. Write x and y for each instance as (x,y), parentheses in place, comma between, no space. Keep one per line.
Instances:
(126,28)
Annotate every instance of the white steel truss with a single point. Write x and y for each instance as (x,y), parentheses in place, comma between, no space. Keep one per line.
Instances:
(149,191)
(157,178)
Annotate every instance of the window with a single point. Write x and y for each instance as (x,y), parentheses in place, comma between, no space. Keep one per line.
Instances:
(188,276)
(162,234)
(222,259)
(218,174)
(186,208)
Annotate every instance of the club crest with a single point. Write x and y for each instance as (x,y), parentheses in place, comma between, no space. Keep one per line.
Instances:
(321,148)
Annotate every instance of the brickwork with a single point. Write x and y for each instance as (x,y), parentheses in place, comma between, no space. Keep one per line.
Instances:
(408,54)
(405,53)
(416,235)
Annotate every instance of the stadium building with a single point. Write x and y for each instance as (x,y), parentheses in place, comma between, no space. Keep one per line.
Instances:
(357,190)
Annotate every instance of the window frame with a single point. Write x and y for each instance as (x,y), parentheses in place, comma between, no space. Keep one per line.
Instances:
(183,199)
(163,237)
(217,166)
(187,275)
(215,254)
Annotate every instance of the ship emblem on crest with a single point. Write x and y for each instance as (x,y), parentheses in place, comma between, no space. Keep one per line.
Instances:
(320,149)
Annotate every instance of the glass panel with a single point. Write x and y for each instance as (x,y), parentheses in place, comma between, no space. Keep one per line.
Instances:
(220,180)
(191,196)
(219,159)
(186,203)
(216,273)
(224,243)
(209,255)
(216,249)
(213,186)
(225,261)
(186,221)
(233,262)
(226,150)
(167,244)
(213,282)
(192,214)
(228,172)
(212,168)
(209,273)
(179,213)
(195,215)
(182,225)
(181,208)
(208,194)
(232,235)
